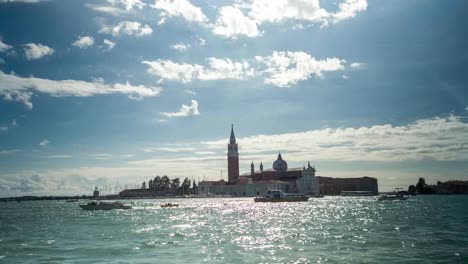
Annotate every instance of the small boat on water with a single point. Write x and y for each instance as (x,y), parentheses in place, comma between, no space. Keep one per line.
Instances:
(280,196)
(93,205)
(169,205)
(392,197)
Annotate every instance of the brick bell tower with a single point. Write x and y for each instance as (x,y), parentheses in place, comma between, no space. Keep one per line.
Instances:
(233,158)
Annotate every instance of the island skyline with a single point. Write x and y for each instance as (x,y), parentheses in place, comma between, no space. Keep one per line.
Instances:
(124,91)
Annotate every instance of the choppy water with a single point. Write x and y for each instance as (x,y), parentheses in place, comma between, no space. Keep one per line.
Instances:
(430,229)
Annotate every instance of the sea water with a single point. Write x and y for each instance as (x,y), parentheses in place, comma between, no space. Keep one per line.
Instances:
(423,229)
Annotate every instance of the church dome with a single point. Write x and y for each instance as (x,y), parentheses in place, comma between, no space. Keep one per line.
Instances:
(280,164)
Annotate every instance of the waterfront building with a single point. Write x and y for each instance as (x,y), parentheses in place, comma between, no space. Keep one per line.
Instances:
(280,176)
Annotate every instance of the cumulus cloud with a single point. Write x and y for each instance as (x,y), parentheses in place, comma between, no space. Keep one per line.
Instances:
(180,47)
(282,68)
(131,28)
(217,69)
(20,89)
(4,47)
(349,9)
(179,8)
(128,4)
(44,143)
(442,139)
(287,68)
(84,42)
(168,70)
(232,22)
(109,44)
(36,51)
(277,11)
(185,110)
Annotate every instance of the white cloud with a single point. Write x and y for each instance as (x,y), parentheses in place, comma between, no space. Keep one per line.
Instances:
(20,89)
(4,46)
(220,69)
(180,47)
(128,4)
(131,28)
(442,139)
(282,68)
(349,9)
(44,143)
(180,8)
(357,65)
(84,42)
(3,128)
(185,110)
(110,10)
(166,69)
(344,76)
(59,156)
(217,69)
(109,44)
(36,51)
(277,11)
(286,68)
(232,22)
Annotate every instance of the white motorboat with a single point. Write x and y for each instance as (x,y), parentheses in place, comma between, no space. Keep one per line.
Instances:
(392,197)
(280,196)
(93,205)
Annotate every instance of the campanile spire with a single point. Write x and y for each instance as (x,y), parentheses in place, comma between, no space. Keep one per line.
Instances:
(233,158)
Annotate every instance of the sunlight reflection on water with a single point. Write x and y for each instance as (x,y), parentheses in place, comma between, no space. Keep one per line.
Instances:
(327,230)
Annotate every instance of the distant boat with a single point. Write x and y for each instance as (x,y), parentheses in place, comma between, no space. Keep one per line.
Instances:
(93,205)
(280,196)
(169,205)
(392,197)
(357,193)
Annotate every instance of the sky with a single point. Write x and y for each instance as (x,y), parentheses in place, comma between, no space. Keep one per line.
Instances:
(114,92)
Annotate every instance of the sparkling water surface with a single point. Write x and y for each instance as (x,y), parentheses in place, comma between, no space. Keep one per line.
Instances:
(423,229)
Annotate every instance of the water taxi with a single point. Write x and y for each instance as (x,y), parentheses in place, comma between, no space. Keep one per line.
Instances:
(93,205)
(280,196)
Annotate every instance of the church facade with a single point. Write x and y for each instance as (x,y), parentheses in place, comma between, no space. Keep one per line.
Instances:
(280,176)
